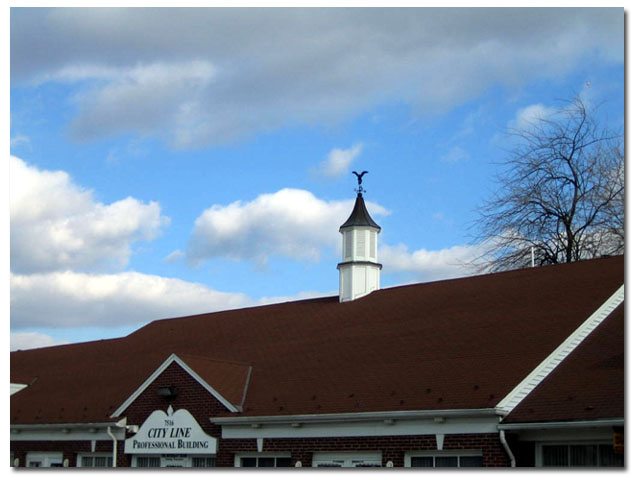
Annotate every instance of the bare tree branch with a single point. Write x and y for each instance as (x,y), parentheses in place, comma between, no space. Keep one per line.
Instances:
(560,196)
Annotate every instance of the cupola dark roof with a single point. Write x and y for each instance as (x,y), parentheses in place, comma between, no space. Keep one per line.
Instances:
(360,216)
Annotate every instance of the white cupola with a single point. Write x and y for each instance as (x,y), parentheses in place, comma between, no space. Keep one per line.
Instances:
(359,269)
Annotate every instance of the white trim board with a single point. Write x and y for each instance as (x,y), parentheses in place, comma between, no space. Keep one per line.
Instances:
(173,358)
(531,381)
(363,428)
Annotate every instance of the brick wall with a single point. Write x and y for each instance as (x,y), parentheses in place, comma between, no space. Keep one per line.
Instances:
(69,449)
(392,447)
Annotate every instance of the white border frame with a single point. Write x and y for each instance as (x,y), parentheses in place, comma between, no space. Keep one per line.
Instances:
(174,358)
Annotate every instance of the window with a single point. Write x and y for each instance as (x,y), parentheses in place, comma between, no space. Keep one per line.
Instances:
(263,460)
(346,459)
(203,462)
(372,245)
(44,459)
(580,455)
(360,243)
(147,462)
(95,460)
(444,459)
(348,244)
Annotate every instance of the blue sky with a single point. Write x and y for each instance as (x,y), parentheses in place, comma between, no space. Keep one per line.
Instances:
(174,162)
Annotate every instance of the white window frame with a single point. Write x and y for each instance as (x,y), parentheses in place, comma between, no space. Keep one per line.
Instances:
(45,458)
(346,459)
(569,443)
(107,455)
(164,459)
(206,457)
(439,453)
(239,456)
(135,458)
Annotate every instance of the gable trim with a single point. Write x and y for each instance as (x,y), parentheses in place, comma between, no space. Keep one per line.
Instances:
(538,374)
(174,358)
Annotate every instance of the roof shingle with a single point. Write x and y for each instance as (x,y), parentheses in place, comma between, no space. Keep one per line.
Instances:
(453,344)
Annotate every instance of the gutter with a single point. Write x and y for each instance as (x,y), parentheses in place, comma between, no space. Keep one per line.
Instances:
(122,423)
(115,446)
(612,422)
(58,426)
(350,417)
(503,440)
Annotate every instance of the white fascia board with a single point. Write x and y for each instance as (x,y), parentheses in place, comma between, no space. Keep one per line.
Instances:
(65,431)
(365,428)
(395,423)
(531,381)
(16,387)
(173,358)
(354,416)
(608,422)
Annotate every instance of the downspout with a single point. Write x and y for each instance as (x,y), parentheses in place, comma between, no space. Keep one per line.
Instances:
(503,440)
(115,446)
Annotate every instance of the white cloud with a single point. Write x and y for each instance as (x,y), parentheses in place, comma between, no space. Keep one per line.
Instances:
(71,299)
(338,161)
(55,224)
(304,295)
(289,223)
(206,76)
(28,340)
(532,115)
(174,256)
(429,265)
(144,98)
(18,140)
(455,154)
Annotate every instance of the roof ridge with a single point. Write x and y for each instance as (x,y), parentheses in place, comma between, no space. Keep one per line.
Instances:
(500,273)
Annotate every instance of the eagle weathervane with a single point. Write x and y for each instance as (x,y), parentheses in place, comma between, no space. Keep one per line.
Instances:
(360,175)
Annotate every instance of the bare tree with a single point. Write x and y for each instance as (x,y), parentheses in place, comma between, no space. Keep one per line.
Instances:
(560,197)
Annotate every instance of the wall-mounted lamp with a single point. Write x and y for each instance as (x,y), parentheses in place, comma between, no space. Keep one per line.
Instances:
(168,393)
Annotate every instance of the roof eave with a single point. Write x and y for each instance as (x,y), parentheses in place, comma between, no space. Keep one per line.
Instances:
(602,422)
(354,416)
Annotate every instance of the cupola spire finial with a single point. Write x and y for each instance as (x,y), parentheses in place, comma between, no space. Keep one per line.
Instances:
(360,175)
(359,269)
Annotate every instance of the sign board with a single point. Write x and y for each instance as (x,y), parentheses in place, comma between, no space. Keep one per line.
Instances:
(171,433)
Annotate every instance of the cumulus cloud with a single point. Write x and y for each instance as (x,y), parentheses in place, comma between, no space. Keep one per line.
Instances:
(56,224)
(204,76)
(289,223)
(143,98)
(455,154)
(338,161)
(531,115)
(429,265)
(71,299)
(28,340)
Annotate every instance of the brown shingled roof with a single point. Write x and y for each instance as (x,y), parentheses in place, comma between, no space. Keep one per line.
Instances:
(587,385)
(453,344)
